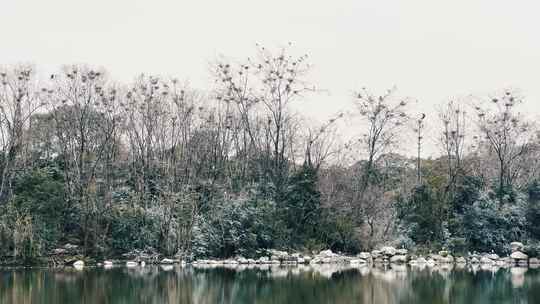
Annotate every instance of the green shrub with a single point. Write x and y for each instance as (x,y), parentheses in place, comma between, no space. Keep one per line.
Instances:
(488,225)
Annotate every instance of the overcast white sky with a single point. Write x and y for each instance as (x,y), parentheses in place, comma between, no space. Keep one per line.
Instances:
(431,50)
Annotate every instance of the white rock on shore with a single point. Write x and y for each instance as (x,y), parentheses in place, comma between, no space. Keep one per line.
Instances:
(167,261)
(388,250)
(516,246)
(398,259)
(263,260)
(364,255)
(78,264)
(418,261)
(326,254)
(518,256)
(131,264)
(242,260)
(402,251)
(376,253)
(357,261)
(486,260)
(492,256)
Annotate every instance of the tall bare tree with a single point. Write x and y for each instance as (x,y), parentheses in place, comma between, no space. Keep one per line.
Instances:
(19,100)
(453,140)
(84,109)
(507,135)
(262,90)
(384,117)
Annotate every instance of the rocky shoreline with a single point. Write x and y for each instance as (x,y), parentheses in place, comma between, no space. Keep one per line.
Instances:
(69,256)
(385,255)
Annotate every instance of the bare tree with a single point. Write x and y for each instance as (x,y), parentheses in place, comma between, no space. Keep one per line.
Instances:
(19,100)
(384,116)
(321,143)
(453,140)
(507,135)
(262,91)
(83,107)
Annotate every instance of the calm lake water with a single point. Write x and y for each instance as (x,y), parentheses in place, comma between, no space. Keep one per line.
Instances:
(302,284)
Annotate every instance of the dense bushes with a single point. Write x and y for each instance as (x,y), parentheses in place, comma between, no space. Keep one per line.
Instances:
(31,223)
(473,219)
(38,218)
(533,210)
(131,228)
(302,207)
(488,225)
(235,227)
(224,224)
(245,225)
(424,212)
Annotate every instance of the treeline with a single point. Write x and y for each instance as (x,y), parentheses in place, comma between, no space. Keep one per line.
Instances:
(234,169)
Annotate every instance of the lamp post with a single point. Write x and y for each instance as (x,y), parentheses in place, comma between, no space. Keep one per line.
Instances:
(420,126)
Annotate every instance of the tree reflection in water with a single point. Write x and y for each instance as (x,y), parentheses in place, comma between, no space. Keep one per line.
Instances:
(271,284)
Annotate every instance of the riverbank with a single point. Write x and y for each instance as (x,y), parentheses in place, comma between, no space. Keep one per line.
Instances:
(69,255)
(386,255)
